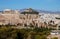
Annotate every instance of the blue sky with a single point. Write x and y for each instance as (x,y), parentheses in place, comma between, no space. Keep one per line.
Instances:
(49,5)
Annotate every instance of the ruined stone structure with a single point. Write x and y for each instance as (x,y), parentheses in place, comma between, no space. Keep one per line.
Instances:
(14,17)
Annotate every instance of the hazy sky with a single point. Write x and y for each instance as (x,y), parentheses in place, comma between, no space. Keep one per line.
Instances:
(50,5)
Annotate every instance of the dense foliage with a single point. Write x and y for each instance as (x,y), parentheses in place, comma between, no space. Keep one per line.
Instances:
(13,33)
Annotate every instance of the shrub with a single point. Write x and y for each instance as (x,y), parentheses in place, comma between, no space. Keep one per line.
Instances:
(54,38)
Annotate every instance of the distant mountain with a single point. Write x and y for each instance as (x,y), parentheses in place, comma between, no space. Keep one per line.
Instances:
(40,11)
(43,11)
(51,12)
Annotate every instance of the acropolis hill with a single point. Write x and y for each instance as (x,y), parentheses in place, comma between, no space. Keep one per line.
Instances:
(28,17)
